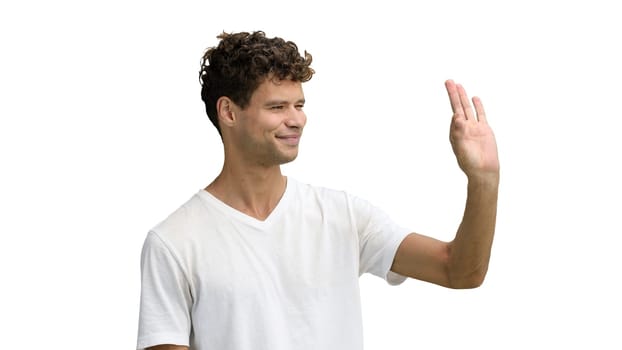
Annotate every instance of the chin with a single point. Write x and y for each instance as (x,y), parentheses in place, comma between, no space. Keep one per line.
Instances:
(285,160)
(286,157)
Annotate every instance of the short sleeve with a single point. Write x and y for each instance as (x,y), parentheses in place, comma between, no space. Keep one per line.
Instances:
(379,239)
(165,299)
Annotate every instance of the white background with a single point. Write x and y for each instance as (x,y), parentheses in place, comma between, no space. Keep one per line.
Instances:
(103,134)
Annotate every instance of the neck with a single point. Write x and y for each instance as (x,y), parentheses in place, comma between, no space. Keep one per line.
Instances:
(255,191)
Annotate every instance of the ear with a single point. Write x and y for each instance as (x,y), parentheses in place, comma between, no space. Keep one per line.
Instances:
(226,111)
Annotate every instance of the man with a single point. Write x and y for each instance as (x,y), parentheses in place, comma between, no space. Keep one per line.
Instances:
(257,260)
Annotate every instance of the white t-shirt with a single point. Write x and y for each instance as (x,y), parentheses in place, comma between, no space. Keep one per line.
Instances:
(214,278)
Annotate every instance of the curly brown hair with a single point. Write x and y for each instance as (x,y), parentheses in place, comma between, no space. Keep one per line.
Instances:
(242,61)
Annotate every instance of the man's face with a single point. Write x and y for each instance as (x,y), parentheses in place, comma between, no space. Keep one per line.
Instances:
(269,128)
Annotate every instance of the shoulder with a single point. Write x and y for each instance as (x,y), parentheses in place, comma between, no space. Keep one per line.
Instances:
(329,193)
(333,202)
(184,221)
(314,192)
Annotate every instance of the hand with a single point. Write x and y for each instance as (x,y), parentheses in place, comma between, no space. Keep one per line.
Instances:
(472,139)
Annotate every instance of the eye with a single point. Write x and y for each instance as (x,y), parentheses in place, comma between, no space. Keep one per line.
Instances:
(299,106)
(277,107)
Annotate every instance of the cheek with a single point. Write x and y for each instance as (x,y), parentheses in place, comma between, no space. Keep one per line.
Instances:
(270,123)
(262,123)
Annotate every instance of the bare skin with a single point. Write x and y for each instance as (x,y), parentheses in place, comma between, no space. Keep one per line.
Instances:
(463,262)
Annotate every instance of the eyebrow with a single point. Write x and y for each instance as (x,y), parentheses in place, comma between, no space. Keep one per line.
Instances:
(283,102)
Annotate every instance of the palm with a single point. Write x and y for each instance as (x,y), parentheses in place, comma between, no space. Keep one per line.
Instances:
(471,137)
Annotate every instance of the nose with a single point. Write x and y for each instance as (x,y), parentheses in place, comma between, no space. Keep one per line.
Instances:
(296,118)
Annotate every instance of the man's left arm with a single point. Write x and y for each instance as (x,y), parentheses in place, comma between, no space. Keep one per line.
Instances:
(463,262)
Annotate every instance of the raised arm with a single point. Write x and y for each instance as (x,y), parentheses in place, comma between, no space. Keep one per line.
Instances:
(463,262)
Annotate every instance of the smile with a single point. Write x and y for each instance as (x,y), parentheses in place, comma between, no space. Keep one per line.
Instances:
(291,140)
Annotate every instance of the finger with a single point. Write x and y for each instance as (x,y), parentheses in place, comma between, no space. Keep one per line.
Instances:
(466,103)
(479,109)
(454,97)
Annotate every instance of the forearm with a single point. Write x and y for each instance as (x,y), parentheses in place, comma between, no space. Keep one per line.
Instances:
(469,252)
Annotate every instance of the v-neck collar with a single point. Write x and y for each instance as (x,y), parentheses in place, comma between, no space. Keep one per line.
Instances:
(241,216)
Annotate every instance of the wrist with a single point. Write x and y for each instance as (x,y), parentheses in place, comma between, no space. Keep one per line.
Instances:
(490,179)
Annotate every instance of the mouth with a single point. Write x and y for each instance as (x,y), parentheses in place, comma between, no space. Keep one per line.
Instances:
(291,140)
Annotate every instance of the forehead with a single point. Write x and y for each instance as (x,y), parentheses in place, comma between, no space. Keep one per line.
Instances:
(271,89)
